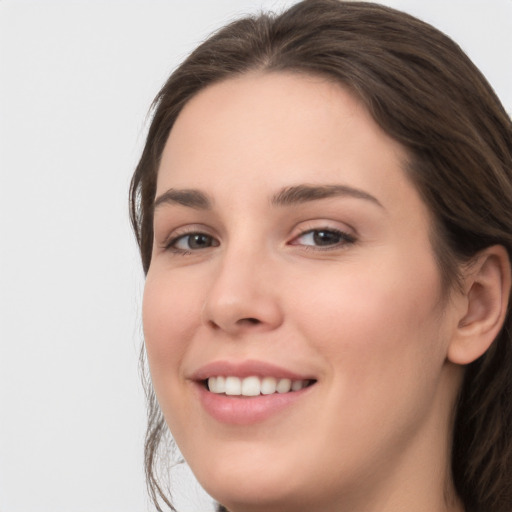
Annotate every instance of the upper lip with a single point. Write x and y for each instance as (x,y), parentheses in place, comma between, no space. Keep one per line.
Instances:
(247,368)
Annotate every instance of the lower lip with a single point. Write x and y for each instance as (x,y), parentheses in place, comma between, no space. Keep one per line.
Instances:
(241,410)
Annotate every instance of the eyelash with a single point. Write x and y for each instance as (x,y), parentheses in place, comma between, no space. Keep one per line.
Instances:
(171,245)
(344,239)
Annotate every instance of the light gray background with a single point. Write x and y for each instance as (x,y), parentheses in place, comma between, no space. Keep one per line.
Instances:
(76,80)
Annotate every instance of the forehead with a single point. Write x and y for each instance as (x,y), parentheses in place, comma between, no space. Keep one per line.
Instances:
(278,129)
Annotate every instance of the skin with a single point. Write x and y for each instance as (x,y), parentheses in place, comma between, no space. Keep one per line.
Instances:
(365,315)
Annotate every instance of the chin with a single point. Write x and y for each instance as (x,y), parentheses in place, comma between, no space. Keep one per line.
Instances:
(253,497)
(264,486)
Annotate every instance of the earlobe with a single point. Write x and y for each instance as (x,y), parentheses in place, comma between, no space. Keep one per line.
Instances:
(487,287)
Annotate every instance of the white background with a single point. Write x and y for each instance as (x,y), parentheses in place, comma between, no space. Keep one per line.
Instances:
(76,80)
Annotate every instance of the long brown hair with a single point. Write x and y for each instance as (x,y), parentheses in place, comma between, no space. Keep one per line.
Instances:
(423,91)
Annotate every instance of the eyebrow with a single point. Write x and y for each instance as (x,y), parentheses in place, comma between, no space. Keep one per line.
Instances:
(304,193)
(296,194)
(186,197)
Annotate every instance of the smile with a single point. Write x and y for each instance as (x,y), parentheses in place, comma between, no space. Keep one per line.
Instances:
(253,385)
(249,392)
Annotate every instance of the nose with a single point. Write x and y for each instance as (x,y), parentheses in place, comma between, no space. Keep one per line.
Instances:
(243,296)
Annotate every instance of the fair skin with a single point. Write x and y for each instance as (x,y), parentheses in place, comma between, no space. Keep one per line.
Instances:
(333,284)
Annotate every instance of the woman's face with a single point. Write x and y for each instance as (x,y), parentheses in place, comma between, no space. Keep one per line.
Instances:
(291,249)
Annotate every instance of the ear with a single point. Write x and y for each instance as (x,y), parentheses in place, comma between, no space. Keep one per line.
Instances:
(487,284)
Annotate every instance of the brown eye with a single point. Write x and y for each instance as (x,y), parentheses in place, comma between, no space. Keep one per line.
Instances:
(324,238)
(199,241)
(193,242)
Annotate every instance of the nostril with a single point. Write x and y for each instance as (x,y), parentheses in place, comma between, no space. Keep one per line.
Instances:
(241,322)
(252,321)
(213,325)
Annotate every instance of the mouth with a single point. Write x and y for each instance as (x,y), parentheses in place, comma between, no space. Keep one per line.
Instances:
(250,392)
(253,385)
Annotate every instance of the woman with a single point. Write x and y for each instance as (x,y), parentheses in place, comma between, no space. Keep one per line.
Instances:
(323,212)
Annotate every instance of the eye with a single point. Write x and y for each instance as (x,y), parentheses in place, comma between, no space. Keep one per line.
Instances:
(324,238)
(191,242)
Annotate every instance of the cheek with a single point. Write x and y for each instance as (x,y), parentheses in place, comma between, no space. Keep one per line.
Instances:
(171,316)
(171,313)
(380,337)
(376,324)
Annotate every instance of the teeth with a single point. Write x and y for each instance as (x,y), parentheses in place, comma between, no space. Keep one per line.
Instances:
(253,386)
(297,385)
(217,384)
(268,385)
(284,385)
(221,385)
(233,386)
(212,384)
